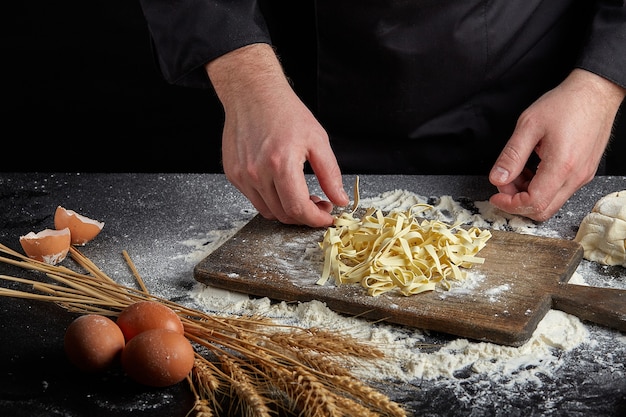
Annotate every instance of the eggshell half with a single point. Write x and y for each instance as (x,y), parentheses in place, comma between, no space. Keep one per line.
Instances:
(49,246)
(83,229)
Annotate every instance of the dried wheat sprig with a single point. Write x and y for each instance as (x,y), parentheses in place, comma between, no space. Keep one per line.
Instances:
(78,292)
(86,263)
(58,291)
(339,377)
(265,359)
(265,335)
(53,293)
(367,395)
(258,361)
(34,265)
(96,290)
(27,263)
(246,389)
(321,363)
(305,394)
(201,407)
(205,381)
(324,341)
(352,408)
(256,349)
(135,272)
(208,378)
(308,394)
(66,275)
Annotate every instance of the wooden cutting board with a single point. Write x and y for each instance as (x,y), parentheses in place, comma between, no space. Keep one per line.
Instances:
(502,301)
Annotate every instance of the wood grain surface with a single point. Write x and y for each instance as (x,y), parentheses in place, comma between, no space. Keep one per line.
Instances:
(523,276)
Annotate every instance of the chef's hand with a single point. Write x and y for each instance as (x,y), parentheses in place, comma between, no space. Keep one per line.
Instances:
(568,128)
(268,136)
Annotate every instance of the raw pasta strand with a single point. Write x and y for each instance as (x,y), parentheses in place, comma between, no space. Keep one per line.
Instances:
(398,252)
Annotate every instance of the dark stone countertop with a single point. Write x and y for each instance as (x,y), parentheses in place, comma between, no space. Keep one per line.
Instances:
(149,215)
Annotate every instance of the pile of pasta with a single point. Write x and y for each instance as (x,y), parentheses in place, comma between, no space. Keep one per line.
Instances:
(398,251)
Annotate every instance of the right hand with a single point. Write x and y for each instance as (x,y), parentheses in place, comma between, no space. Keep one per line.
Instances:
(268,136)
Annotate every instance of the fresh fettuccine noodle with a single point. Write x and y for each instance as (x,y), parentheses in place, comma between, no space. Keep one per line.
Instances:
(398,251)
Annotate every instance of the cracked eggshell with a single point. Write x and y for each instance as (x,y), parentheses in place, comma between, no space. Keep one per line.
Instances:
(82,229)
(49,246)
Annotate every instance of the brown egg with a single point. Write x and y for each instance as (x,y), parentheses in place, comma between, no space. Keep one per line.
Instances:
(147,315)
(158,357)
(49,246)
(82,229)
(93,343)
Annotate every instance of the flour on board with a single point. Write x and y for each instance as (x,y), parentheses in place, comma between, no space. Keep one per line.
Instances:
(405,356)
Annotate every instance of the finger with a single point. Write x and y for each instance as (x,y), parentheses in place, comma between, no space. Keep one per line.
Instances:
(548,190)
(260,188)
(325,167)
(516,153)
(282,195)
(528,205)
(327,206)
(259,203)
(296,204)
(520,183)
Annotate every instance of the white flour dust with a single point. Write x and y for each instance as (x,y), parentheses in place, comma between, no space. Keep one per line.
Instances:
(406,358)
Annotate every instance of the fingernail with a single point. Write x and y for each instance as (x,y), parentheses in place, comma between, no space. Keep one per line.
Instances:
(500,174)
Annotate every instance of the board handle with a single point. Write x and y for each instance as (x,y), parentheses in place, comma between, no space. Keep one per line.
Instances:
(604,306)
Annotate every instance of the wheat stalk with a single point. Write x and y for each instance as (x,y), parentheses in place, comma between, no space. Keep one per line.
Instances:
(245,388)
(260,366)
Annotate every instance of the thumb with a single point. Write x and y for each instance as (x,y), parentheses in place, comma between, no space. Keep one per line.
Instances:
(515,154)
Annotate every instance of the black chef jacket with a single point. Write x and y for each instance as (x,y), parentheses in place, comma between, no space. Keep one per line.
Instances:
(407,86)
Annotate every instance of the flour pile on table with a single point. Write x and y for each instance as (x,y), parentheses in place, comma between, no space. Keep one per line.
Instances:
(407,359)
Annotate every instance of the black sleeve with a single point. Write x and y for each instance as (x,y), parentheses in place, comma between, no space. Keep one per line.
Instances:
(186,34)
(604,52)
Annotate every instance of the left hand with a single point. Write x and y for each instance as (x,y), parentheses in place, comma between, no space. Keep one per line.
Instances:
(569,128)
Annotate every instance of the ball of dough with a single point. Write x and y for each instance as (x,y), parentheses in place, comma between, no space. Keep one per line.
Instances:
(602,232)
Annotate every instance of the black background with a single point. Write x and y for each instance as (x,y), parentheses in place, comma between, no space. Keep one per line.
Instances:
(81,92)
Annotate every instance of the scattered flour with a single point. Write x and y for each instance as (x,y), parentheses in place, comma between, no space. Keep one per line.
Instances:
(478,213)
(405,359)
(408,354)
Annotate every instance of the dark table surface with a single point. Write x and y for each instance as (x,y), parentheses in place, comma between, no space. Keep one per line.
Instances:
(149,215)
